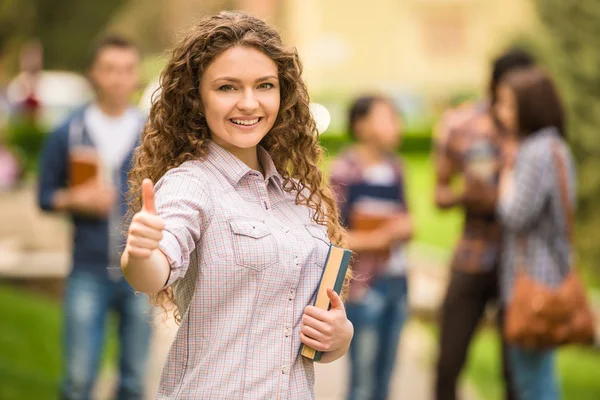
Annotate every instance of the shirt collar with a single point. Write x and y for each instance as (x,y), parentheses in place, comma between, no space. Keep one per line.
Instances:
(234,169)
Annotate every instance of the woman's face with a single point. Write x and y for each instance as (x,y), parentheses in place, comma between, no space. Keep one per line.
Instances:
(381,127)
(240,96)
(506,109)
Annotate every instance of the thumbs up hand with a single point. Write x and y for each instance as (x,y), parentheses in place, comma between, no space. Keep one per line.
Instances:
(145,231)
(327,331)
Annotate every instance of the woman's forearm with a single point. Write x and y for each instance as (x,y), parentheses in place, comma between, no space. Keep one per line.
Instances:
(332,356)
(147,275)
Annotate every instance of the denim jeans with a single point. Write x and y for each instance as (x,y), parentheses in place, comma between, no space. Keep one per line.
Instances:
(534,374)
(378,319)
(88,301)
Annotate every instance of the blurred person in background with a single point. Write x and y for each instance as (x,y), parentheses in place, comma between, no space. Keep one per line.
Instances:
(468,146)
(10,170)
(368,180)
(83,173)
(530,207)
(26,83)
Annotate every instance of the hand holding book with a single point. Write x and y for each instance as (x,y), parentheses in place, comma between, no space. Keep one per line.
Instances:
(327,330)
(92,198)
(324,324)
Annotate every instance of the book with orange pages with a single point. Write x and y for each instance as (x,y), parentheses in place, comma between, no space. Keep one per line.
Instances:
(83,166)
(364,222)
(333,276)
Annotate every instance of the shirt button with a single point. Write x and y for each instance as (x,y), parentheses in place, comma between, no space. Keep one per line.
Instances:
(292,294)
(287,332)
(284,369)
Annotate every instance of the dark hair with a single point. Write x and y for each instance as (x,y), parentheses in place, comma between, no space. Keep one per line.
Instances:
(361,107)
(537,100)
(109,41)
(505,63)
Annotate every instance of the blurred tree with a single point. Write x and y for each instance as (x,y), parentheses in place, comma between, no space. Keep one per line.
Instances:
(574,36)
(65,27)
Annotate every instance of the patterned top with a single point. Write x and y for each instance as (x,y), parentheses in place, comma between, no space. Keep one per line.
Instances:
(376,190)
(478,247)
(245,262)
(535,212)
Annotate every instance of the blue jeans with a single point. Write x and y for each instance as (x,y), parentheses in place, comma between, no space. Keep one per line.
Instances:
(88,300)
(378,319)
(534,374)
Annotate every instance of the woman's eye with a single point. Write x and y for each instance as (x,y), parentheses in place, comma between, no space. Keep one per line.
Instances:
(226,88)
(266,86)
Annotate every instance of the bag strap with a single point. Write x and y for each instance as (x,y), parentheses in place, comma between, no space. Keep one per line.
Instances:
(568,211)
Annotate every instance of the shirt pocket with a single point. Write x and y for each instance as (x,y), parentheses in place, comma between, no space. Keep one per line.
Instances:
(254,245)
(321,245)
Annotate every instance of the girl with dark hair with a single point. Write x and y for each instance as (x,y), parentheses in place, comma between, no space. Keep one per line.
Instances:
(236,231)
(531,208)
(369,182)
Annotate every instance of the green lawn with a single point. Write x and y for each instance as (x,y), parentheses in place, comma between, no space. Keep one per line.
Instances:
(578,370)
(30,345)
(433,227)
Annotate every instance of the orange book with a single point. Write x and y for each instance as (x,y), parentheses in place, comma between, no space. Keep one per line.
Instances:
(83,166)
(364,222)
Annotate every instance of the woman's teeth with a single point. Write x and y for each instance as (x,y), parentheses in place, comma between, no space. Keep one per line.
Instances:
(245,121)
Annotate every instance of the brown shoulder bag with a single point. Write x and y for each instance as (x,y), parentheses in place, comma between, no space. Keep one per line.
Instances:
(539,316)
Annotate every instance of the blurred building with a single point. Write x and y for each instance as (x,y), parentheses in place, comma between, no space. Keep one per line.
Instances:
(416,45)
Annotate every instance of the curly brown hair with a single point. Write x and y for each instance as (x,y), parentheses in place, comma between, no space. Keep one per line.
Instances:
(177,130)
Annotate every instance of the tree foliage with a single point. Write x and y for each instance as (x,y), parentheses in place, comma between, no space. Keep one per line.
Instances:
(65,27)
(573,28)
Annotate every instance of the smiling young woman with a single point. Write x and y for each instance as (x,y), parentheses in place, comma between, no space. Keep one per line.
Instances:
(237,229)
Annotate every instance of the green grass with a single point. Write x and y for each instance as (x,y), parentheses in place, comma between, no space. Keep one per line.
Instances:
(433,227)
(578,369)
(31,345)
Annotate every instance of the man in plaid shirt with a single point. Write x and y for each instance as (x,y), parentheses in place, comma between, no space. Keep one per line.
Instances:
(468,144)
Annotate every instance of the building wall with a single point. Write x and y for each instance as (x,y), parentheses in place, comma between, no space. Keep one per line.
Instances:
(430,46)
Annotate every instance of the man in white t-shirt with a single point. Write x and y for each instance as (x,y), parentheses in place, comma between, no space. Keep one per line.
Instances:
(99,138)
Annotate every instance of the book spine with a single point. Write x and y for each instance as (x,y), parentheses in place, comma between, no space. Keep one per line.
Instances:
(339,283)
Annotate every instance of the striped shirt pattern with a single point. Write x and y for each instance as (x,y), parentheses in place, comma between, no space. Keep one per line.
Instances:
(245,262)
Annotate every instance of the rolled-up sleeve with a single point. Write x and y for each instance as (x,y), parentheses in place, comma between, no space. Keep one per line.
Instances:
(519,210)
(183,202)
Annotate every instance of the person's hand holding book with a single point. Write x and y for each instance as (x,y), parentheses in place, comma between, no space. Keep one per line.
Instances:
(328,331)
(92,199)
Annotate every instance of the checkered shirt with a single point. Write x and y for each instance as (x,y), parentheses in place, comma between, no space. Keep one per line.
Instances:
(245,262)
(534,211)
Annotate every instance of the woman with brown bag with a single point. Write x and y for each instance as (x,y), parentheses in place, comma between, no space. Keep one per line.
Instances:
(546,304)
